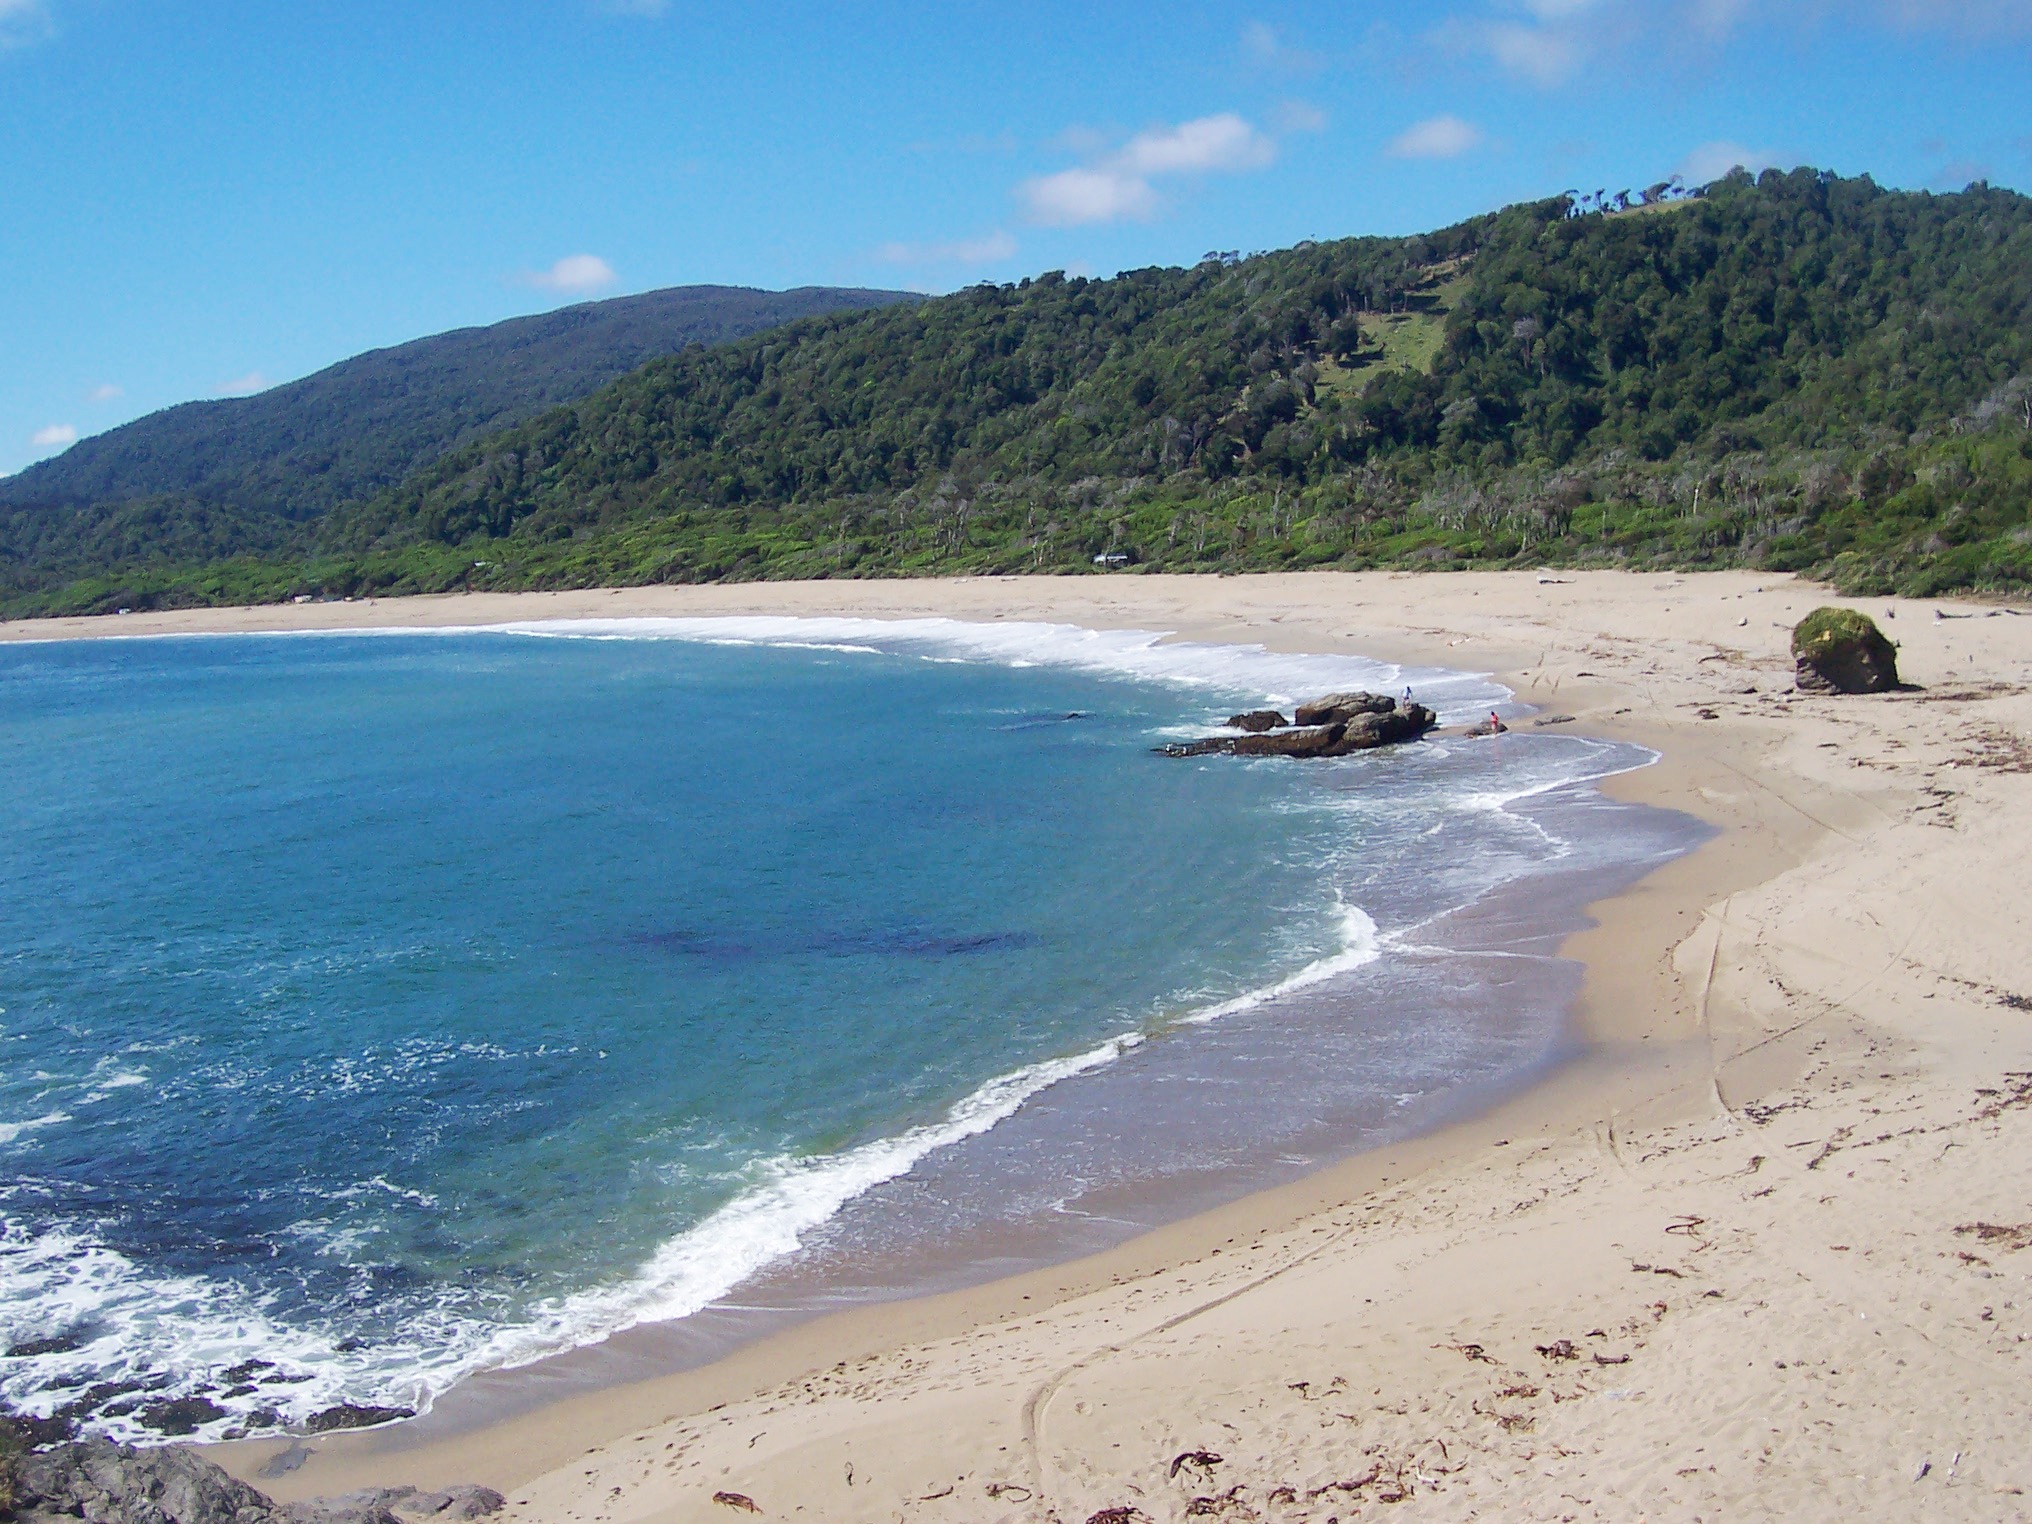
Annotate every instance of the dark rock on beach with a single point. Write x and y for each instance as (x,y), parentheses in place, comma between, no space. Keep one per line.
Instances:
(104,1483)
(350,1415)
(115,1484)
(62,1344)
(1842,651)
(1258,720)
(182,1415)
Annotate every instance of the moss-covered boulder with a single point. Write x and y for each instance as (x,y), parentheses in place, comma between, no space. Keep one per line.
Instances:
(1842,651)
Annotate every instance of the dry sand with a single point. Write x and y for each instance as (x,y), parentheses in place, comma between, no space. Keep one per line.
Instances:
(1764,1251)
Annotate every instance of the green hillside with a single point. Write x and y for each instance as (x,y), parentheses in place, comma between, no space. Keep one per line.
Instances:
(205,479)
(1799,372)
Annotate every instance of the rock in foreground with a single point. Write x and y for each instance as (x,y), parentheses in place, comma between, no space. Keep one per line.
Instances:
(1842,651)
(1355,722)
(104,1483)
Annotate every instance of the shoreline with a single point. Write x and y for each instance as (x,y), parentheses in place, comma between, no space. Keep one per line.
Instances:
(1667,1047)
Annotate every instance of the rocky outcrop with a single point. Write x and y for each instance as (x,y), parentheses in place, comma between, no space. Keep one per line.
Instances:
(1842,651)
(1258,720)
(352,1415)
(1360,722)
(103,1483)
(1342,706)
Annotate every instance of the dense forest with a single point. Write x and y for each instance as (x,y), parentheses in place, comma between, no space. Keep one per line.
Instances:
(1799,371)
(205,479)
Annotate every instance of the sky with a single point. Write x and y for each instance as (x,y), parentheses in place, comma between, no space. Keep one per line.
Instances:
(202,200)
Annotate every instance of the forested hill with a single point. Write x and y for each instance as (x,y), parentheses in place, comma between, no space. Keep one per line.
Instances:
(1800,371)
(231,475)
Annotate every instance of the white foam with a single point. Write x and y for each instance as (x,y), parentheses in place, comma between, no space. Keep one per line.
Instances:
(1359,946)
(1274,677)
(9,1131)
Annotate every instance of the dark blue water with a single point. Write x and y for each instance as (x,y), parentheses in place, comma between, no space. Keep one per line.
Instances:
(387,1007)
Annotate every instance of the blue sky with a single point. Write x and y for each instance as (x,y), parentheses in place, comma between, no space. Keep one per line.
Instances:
(202,199)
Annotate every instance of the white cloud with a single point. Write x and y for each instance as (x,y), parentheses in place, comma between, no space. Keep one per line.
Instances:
(23,22)
(1711,161)
(1545,56)
(243,386)
(1265,48)
(54,437)
(1117,185)
(988,249)
(1075,196)
(1295,116)
(1973,18)
(575,273)
(106,392)
(1223,142)
(1439,137)
(1550,42)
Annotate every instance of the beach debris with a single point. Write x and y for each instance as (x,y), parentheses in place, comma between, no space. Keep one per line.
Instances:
(2007,1236)
(1009,1490)
(1202,1460)
(1207,1507)
(737,1500)
(1334,726)
(1355,1485)
(1121,1513)
(1552,719)
(1558,1349)
(1838,650)
(1612,1359)
(1472,1351)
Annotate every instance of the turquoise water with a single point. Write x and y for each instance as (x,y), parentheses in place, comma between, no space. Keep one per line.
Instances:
(391,1006)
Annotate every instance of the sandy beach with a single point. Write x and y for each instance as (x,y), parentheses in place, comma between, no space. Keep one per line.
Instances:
(1758,1251)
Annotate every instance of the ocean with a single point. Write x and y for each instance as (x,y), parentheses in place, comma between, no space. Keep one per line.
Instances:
(381,1008)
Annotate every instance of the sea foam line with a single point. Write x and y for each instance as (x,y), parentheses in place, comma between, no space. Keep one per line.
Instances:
(1276,677)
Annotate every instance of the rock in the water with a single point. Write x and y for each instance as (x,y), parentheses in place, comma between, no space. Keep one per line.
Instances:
(1372,730)
(1842,651)
(1258,720)
(1342,707)
(1362,733)
(1492,726)
(182,1415)
(352,1415)
(104,1483)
